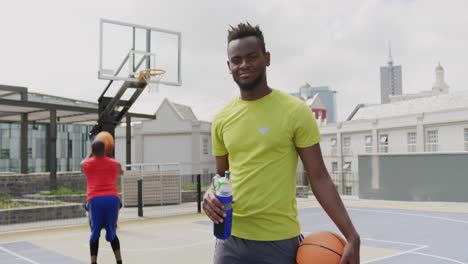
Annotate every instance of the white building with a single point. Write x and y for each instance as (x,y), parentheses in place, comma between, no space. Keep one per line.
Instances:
(176,136)
(439,87)
(429,124)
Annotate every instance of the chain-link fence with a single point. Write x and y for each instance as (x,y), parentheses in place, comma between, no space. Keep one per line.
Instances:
(154,190)
(346,183)
(27,201)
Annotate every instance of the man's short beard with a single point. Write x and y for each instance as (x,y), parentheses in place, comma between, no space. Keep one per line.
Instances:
(251,85)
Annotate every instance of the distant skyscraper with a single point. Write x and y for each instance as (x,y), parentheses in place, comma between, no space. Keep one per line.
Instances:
(390,80)
(327,96)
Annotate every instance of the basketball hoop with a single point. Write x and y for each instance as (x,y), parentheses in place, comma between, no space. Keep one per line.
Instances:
(152,78)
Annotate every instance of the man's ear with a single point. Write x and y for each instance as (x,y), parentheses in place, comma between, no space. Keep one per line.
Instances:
(227,62)
(267,58)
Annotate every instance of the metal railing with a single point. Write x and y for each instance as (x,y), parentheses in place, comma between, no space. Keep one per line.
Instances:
(146,190)
(346,183)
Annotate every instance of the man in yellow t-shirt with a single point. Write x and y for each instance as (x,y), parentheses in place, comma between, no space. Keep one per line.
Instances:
(258,137)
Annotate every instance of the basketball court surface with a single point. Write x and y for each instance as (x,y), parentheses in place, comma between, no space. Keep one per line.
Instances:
(391,232)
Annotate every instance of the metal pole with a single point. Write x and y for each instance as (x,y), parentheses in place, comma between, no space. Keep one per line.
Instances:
(128,140)
(24,143)
(199,194)
(133,49)
(53,149)
(69,154)
(24,137)
(161,185)
(148,49)
(140,197)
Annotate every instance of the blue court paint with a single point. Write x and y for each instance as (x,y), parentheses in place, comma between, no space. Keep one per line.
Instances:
(439,237)
(28,253)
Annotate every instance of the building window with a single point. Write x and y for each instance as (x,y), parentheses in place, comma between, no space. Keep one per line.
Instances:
(432,140)
(466,139)
(348,190)
(347,167)
(40,150)
(347,146)
(383,144)
(70,148)
(411,140)
(5,154)
(334,168)
(30,156)
(205,146)
(368,144)
(333,149)
(84,147)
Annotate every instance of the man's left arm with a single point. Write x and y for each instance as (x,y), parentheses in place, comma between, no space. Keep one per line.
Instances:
(81,166)
(326,194)
(120,171)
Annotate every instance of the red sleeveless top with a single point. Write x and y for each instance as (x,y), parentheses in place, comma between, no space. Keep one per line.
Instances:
(101,174)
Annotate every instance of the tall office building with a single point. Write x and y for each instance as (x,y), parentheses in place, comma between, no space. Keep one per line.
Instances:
(390,80)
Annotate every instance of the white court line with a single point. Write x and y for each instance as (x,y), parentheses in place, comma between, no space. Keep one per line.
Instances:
(439,257)
(161,248)
(19,256)
(408,214)
(172,247)
(394,242)
(394,255)
(413,251)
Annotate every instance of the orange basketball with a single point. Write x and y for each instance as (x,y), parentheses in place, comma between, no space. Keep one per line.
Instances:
(107,139)
(321,248)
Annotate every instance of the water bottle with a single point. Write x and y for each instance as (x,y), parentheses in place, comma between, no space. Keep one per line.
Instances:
(224,195)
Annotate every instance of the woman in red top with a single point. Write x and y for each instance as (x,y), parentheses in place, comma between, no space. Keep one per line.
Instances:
(103,198)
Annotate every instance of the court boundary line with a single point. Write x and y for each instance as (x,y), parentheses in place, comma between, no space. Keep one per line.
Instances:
(190,245)
(394,255)
(18,255)
(178,247)
(409,214)
(411,251)
(439,257)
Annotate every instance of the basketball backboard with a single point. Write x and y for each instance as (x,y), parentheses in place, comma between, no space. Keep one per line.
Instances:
(125,49)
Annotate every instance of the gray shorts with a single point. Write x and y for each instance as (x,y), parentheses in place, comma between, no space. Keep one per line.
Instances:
(236,250)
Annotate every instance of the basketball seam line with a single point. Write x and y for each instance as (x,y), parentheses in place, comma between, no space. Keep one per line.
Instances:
(312,244)
(341,241)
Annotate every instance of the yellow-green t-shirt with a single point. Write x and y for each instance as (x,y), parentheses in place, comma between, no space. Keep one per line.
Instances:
(260,138)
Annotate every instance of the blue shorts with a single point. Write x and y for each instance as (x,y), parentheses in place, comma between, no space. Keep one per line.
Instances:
(103,213)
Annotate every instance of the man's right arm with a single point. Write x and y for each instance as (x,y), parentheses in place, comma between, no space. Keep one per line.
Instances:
(212,207)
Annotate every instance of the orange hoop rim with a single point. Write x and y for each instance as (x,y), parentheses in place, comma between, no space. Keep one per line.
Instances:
(148,73)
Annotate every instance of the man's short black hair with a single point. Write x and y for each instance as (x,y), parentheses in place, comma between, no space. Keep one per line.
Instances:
(98,148)
(243,30)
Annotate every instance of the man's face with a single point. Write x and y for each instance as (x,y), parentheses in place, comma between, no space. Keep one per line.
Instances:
(247,62)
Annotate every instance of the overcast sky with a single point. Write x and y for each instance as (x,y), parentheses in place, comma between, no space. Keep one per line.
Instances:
(52,46)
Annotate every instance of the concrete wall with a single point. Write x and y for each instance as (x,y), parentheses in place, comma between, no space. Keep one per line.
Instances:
(41,213)
(414,177)
(17,185)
